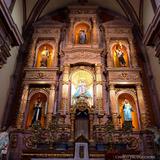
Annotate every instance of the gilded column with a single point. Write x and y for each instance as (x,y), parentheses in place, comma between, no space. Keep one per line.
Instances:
(133,58)
(65,90)
(31,55)
(113,105)
(109,58)
(51,102)
(55,55)
(141,103)
(72,126)
(70,34)
(91,127)
(99,89)
(22,108)
(94,33)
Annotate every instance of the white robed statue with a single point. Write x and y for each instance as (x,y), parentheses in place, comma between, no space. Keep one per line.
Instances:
(82,37)
(127,110)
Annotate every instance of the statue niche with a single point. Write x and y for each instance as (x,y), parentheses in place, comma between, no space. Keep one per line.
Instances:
(82,34)
(82,87)
(44,56)
(120,55)
(128,111)
(37,109)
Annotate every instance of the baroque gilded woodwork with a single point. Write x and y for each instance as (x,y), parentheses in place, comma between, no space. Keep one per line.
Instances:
(40,74)
(124,76)
(83,81)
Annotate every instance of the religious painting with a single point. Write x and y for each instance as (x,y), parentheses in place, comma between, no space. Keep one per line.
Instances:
(37,109)
(120,55)
(45,56)
(127,110)
(82,86)
(82,34)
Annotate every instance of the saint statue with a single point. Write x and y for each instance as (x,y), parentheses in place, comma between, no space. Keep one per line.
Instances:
(82,91)
(127,110)
(44,57)
(37,111)
(120,56)
(82,37)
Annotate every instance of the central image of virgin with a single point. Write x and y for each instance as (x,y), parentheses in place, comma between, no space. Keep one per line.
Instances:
(82,91)
(82,87)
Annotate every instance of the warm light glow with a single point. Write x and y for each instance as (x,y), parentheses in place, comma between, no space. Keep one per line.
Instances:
(115,57)
(85,79)
(85,27)
(121,99)
(32,103)
(42,53)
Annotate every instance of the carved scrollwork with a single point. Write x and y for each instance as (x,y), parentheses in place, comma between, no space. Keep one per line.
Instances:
(127,76)
(80,54)
(39,75)
(28,141)
(133,143)
(13,141)
(54,133)
(82,104)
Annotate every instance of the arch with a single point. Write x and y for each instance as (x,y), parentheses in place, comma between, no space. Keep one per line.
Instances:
(42,91)
(45,55)
(33,100)
(119,60)
(78,29)
(131,97)
(84,68)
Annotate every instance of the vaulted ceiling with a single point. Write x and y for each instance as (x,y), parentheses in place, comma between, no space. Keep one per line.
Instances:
(115,5)
(130,9)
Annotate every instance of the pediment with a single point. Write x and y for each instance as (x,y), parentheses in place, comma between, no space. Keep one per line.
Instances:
(79,54)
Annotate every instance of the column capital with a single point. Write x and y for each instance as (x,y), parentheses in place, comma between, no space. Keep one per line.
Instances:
(139,86)
(98,65)
(111,87)
(25,86)
(53,87)
(66,65)
(71,20)
(94,19)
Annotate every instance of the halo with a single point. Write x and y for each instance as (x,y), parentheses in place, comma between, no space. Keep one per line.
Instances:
(82,75)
